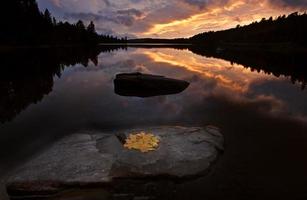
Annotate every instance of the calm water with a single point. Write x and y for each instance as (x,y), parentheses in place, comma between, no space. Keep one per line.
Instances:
(263,117)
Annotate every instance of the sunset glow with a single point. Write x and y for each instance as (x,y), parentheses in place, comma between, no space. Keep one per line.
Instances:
(139,99)
(214,19)
(169,19)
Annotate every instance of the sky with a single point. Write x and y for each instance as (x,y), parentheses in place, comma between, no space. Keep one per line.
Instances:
(168,18)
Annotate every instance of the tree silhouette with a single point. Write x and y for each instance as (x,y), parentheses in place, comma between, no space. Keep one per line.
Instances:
(91,28)
(54,22)
(47,16)
(291,29)
(80,25)
(22,23)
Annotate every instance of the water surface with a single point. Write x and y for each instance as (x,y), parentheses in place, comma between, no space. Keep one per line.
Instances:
(262,116)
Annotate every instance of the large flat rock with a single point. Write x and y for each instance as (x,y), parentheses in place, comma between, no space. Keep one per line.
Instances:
(96,159)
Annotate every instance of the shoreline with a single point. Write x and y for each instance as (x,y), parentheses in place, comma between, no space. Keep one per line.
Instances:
(266,47)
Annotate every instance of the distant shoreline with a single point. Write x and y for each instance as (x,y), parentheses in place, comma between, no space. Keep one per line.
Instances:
(146,44)
(81,45)
(266,47)
(6,48)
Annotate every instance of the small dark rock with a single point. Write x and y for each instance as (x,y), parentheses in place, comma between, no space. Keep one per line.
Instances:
(146,85)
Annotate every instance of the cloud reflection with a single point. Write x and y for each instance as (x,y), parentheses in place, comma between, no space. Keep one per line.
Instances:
(225,95)
(231,76)
(215,83)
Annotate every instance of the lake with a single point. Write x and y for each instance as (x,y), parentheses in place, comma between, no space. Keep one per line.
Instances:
(260,108)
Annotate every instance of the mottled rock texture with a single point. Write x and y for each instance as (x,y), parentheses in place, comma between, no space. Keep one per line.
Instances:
(96,159)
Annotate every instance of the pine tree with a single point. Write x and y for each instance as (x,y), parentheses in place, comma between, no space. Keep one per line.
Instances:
(80,25)
(47,16)
(91,27)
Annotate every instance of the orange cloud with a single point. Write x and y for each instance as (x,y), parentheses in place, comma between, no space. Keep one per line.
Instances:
(216,18)
(168,18)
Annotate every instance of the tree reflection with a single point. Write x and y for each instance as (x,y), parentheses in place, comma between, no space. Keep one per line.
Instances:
(28,75)
(288,64)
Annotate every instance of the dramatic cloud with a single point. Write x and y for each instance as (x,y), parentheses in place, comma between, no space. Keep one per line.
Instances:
(168,18)
(299,4)
(130,12)
(122,17)
(205,3)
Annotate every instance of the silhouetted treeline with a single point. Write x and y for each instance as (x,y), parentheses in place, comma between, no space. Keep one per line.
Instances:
(27,75)
(291,29)
(285,33)
(22,23)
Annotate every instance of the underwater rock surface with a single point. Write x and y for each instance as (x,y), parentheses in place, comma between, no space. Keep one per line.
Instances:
(97,159)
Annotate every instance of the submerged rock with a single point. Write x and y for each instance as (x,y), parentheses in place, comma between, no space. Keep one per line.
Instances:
(98,159)
(146,85)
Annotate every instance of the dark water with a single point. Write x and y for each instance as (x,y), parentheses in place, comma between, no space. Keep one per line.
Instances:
(261,109)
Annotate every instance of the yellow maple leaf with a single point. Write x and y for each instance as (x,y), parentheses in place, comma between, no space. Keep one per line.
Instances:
(142,141)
